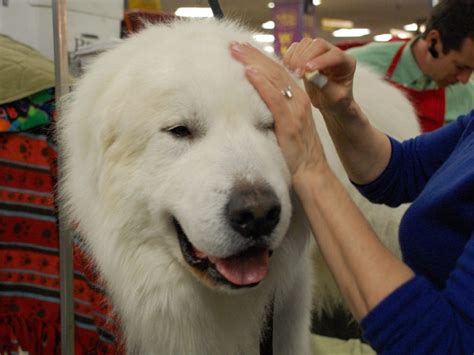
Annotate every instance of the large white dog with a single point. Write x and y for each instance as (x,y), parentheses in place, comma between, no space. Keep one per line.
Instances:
(177,183)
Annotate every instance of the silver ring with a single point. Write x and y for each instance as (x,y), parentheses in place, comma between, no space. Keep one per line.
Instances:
(287,92)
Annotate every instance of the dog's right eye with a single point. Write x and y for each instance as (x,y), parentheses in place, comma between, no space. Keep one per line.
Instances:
(179,131)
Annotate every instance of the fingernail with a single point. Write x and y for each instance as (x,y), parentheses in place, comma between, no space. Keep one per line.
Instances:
(235,46)
(298,72)
(311,66)
(251,70)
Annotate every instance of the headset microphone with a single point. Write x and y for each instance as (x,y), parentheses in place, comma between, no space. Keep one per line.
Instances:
(432,49)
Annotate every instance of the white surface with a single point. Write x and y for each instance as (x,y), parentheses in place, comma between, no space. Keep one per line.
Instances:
(105,8)
(30,21)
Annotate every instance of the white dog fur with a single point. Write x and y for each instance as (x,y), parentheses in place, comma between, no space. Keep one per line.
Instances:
(126,176)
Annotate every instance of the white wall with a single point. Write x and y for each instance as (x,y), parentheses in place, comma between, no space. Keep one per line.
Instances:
(30,21)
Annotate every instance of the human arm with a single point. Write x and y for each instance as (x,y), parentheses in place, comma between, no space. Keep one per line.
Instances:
(364,269)
(413,163)
(418,318)
(405,313)
(364,151)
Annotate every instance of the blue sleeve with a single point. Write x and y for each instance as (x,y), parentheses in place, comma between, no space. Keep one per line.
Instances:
(412,163)
(418,319)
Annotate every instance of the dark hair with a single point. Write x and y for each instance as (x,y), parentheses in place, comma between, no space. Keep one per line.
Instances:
(454,20)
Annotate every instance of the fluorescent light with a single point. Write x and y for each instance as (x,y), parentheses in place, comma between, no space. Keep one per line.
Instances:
(385,37)
(269,49)
(194,12)
(264,38)
(316,2)
(351,32)
(269,25)
(271,5)
(333,23)
(400,34)
(413,27)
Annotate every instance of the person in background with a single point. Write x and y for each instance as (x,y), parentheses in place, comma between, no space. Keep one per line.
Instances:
(434,68)
(423,304)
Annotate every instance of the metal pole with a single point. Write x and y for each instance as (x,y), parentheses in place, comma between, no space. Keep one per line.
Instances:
(216,9)
(60,47)
(65,235)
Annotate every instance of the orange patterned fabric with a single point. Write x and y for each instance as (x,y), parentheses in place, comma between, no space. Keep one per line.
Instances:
(29,258)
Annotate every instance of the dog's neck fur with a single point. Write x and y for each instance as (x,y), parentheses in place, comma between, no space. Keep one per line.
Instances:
(212,316)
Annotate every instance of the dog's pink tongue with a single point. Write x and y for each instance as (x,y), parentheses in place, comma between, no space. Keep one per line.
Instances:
(246,269)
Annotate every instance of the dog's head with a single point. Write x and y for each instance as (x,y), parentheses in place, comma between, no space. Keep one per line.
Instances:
(176,144)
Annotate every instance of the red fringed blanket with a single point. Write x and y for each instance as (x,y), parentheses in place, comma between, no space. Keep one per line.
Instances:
(29,258)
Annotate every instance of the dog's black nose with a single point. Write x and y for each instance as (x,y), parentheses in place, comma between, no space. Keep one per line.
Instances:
(253,210)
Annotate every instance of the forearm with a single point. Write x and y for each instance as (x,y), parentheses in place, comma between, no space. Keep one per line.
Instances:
(365,271)
(364,150)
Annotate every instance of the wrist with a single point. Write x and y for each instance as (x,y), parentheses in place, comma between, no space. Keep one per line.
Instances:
(348,123)
(345,109)
(312,177)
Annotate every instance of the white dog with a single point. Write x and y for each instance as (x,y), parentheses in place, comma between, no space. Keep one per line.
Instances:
(177,183)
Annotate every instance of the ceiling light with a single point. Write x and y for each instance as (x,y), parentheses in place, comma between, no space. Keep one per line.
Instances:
(400,34)
(413,27)
(264,38)
(422,28)
(269,49)
(194,12)
(333,23)
(385,37)
(269,25)
(271,5)
(351,32)
(316,2)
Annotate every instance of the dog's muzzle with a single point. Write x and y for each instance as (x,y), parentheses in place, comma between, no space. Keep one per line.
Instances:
(253,212)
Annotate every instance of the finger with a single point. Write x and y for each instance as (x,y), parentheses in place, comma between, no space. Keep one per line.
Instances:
(332,58)
(241,53)
(290,55)
(271,96)
(249,55)
(287,58)
(295,63)
(273,71)
(314,50)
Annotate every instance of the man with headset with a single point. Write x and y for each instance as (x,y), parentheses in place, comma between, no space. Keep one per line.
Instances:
(433,69)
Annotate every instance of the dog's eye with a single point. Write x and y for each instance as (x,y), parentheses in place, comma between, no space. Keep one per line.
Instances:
(180,131)
(269,126)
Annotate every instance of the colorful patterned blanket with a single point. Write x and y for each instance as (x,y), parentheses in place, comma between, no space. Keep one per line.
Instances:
(29,257)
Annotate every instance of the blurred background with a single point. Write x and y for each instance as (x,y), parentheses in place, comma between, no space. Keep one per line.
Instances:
(98,23)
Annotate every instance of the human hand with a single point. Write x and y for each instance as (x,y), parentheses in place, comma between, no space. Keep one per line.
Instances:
(339,67)
(294,125)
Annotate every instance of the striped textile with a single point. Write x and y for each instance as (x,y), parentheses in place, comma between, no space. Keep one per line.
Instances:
(29,258)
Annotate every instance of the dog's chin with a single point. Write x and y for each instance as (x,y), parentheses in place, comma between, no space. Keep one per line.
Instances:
(244,270)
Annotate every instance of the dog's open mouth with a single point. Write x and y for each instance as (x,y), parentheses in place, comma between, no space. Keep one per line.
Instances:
(246,269)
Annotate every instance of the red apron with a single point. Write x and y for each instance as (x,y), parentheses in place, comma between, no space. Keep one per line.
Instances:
(430,105)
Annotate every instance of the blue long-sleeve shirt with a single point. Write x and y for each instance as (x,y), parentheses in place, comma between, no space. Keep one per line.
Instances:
(433,313)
